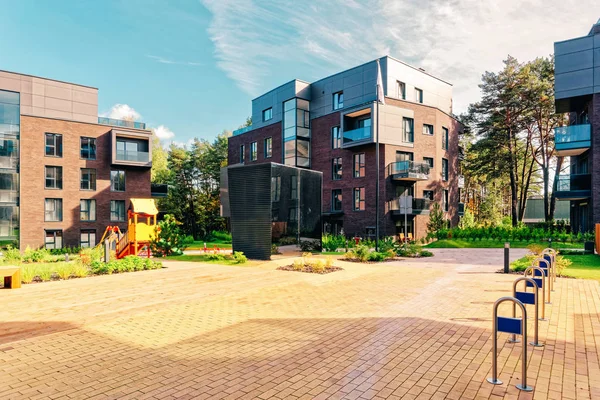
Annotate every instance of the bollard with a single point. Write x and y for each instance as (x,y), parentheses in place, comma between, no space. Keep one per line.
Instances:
(106,250)
(506,257)
(509,325)
(528,298)
(541,282)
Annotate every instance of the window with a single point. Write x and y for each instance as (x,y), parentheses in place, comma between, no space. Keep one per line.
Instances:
(336,200)
(117,181)
(275,188)
(428,160)
(359,165)
(427,129)
(408,130)
(268,114)
(88,148)
(444,138)
(87,210)
(401,90)
(268,147)
(444,169)
(428,194)
(53,145)
(359,199)
(88,179)
(336,168)
(242,155)
(132,150)
(445,200)
(117,210)
(404,156)
(418,95)
(53,210)
(336,137)
(338,100)
(253,151)
(53,177)
(53,239)
(293,214)
(87,238)
(293,187)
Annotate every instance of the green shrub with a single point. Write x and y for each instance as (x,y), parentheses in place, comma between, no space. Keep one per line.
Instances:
(170,239)
(349,255)
(80,270)
(426,253)
(562,264)
(376,256)
(387,243)
(298,265)
(44,272)
(28,273)
(91,254)
(287,240)
(12,254)
(215,257)
(239,258)
(274,248)
(361,252)
(35,256)
(64,270)
(318,266)
(310,245)
(333,242)
(218,236)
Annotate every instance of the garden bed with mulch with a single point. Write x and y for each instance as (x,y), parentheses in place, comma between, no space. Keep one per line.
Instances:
(310,269)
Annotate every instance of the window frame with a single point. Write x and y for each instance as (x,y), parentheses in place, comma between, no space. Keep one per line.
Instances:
(338,102)
(55,145)
(268,147)
(404,132)
(361,171)
(361,199)
(88,232)
(445,138)
(253,151)
(54,236)
(334,193)
(58,180)
(88,211)
(401,90)
(336,168)
(60,212)
(445,169)
(112,186)
(270,114)
(419,95)
(427,159)
(112,211)
(90,139)
(91,182)
(432,130)
(445,200)
(242,154)
(425,196)
(336,140)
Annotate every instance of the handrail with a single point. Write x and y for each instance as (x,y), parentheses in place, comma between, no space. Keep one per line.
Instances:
(408,166)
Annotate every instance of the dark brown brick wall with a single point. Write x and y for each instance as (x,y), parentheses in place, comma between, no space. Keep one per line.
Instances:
(32,180)
(259,135)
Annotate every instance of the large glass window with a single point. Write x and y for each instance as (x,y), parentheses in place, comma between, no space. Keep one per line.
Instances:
(336,168)
(359,199)
(88,179)
(117,181)
(359,165)
(9,156)
(253,151)
(53,239)
(338,100)
(87,210)
(444,138)
(268,147)
(132,150)
(296,133)
(117,210)
(88,148)
(275,188)
(87,238)
(336,137)
(267,114)
(444,169)
(408,130)
(404,156)
(53,145)
(54,177)
(9,162)
(336,200)
(53,210)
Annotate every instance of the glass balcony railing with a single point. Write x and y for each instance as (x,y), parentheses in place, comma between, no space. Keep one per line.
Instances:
(121,122)
(572,137)
(9,196)
(242,130)
(418,205)
(9,162)
(357,135)
(135,156)
(574,186)
(409,170)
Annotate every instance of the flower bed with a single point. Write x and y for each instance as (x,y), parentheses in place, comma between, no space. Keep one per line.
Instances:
(311,265)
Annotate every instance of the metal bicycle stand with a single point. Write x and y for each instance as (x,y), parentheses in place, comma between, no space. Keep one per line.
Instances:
(529,298)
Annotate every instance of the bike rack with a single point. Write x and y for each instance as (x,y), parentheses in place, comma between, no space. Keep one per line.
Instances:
(550,256)
(548,272)
(510,325)
(528,298)
(542,282)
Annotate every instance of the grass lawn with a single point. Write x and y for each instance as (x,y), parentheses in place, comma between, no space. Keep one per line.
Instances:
(199,245)
(330,253)
(205,259)
(494,244)
(585,266)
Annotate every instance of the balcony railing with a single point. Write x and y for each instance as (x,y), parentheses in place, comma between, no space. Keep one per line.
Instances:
(418,206)
(409,170)
(573,187)
(242,130)
(135,156)
(9,162)
(357,135)
(121,123)
(572,140)
(9,196)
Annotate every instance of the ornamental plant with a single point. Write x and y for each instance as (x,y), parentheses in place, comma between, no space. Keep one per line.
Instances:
(169,239)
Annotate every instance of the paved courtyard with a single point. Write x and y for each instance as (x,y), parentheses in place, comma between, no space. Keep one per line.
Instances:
(410,329)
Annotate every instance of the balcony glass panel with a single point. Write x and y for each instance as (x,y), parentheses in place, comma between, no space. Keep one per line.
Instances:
(574,136)
(566,183)
(409,167)
(122,123)
(356,135)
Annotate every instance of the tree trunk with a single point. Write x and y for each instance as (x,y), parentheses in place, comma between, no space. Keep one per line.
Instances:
(546,177)
(513,181)
(552,208)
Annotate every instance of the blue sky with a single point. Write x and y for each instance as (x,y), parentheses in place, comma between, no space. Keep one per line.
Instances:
(191,67)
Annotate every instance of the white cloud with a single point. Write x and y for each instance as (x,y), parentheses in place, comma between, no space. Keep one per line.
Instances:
(122,111)
(163,133)
(163,60)
(457,40)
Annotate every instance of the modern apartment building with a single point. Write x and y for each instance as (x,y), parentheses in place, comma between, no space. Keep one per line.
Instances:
(65,173)
(577,92)
(331,125)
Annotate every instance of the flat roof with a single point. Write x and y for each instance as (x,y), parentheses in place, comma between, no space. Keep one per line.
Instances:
(48,79)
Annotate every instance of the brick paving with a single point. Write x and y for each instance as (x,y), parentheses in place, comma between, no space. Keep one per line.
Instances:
(418,329)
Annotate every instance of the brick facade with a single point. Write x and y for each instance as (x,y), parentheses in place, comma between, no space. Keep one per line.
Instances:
(32,180)
(356,222)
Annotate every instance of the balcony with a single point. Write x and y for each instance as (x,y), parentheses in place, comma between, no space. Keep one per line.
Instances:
(159,190)
(133,155)
(9,197)
(461,181)
(573,187)
(572,140)
(9,162)
(121,123)
(409,171)
(131,149)
(242,130)
(417,206)
(359,135)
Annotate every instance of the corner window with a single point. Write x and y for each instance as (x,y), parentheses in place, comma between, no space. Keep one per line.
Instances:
(336,137)
(444,138)
(336,200)
(428,160)
(275,188)
(445,200)
(87,238)
(53,145)
(267,114)
(428,194)
(117,210)
(418,95)
(117,181)
(53,177)
(444,169)
(242,151)
(88,179)
(427,129)
(88,148)
(268,147)
(53,210)
(359,165)
(401,90)
(53,239)
(408,130)
(87,210)
(359,199)
(338,100)
(336,168)
(253,151)
(293,187)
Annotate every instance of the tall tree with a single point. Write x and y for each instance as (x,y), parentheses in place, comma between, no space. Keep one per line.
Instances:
(160,168)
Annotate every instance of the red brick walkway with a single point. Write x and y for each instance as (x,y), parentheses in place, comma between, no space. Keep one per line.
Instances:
(192,331)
